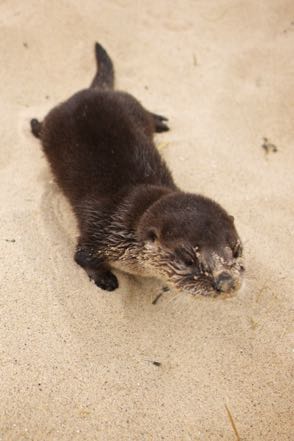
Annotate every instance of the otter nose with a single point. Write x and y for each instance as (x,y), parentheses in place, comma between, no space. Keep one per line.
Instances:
(224,282)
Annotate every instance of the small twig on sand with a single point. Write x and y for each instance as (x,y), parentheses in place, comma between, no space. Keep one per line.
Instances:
(268,146)
(260,292)
(156,298)
(253,323)
(233,423)
(162,145)
(155,363)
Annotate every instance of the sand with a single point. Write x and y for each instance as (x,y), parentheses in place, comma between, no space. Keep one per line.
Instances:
(76,362)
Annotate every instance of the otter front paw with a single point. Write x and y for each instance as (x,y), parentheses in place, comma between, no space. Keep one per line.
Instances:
(106,281)
(96,268)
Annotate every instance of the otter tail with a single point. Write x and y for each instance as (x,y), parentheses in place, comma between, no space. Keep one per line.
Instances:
(104,78)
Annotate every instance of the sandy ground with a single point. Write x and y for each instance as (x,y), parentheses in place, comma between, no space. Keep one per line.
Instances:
(76,362)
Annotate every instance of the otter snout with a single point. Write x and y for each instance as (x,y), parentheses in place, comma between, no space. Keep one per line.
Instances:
(224,282)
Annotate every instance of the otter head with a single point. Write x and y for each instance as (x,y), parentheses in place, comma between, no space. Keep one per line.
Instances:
(191,242)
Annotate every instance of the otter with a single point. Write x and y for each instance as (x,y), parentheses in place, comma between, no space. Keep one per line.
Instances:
(130,213)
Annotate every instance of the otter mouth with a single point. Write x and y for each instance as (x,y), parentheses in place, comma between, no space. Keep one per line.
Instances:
(207,288)
(226,283)
(224,279)
(222,283)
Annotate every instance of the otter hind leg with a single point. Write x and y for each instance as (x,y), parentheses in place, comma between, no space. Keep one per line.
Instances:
(97,270)
(36,127)
(160,123)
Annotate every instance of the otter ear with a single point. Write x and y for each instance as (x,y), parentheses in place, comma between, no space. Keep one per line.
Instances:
(152,234)
(232,218)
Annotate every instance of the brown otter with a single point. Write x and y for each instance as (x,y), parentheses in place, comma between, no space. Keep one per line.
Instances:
(130,213)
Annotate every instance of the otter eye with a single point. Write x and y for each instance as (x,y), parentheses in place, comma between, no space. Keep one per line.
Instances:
(151,235)
(188,262)
(237,251)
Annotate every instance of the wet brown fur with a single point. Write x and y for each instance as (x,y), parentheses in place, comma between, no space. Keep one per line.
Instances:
(131,215)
